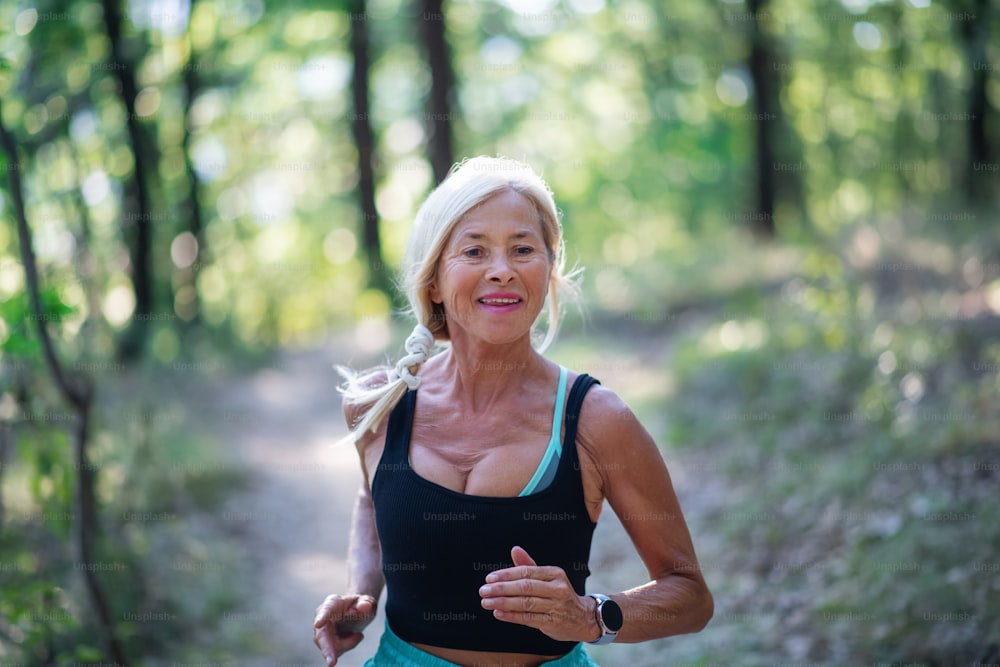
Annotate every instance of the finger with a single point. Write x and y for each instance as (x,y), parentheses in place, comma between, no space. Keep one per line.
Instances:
(365,605)
(324,641)
(520,588)
(355,618)
(331,607)
(332,645)
(531,619)
(523,603)
(521,557)
(323,611)
(350,641)
(541,572)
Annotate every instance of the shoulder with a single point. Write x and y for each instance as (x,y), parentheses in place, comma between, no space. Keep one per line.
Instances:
(611,445)
(611,436)
(360,392)
(605,418)
(627,464)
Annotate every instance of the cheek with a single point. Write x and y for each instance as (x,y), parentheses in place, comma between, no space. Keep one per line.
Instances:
(447,282)
(545,276)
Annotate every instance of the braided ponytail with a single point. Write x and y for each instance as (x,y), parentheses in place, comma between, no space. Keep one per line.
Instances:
(384,397)
(418,349)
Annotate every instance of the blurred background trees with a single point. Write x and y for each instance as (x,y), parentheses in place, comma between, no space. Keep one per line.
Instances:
(809,188)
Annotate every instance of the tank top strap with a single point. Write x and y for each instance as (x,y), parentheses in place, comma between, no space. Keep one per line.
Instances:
(581,386)
(397,436)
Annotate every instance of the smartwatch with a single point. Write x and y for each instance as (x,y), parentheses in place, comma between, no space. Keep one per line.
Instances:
(609,618)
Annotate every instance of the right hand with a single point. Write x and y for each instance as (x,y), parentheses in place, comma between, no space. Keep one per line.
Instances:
(339,622)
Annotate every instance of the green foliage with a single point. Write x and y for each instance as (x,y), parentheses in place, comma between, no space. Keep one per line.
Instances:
(17,343)
(645,134)
(152,498)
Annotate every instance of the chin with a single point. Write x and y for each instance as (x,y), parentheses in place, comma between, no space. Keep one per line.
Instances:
(499,336)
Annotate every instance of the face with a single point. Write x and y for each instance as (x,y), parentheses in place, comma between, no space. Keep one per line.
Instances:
(493,275)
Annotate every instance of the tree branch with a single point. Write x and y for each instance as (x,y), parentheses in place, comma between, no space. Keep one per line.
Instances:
(76,394)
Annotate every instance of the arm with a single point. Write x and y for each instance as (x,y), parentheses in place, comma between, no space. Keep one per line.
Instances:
(341,618)
(364,553)
(637,485)
(633,478)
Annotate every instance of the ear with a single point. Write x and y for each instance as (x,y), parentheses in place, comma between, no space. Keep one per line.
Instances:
(434,293)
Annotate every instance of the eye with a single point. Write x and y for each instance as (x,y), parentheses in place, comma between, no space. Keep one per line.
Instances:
(473,252)
(524,250)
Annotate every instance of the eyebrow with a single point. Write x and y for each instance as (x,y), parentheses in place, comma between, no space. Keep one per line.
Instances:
(477,236)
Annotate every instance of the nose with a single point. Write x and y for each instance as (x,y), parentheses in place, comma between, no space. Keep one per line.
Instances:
(499,270)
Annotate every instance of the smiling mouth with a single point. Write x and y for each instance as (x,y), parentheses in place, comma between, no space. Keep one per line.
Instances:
(499,302)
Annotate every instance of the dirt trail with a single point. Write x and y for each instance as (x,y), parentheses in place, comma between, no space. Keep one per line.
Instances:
(280,422)
(294,517)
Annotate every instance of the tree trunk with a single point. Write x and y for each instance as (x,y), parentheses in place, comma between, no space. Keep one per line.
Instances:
(5,439)
(765,100)
(439,114)
(193,203)
(86,534)
(976,34)
(137,224)
(364,140)
(76,391)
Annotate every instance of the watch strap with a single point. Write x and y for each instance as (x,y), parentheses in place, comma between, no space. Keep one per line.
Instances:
(607,635)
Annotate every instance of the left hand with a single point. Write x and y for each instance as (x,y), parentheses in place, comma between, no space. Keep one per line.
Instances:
(541,597)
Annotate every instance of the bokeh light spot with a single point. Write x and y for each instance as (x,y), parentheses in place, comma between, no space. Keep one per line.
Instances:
(184,250)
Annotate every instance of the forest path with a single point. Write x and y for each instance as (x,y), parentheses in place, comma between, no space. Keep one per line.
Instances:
(279,422)
(294,516)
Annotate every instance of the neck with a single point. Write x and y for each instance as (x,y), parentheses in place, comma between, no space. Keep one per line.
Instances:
(479,373)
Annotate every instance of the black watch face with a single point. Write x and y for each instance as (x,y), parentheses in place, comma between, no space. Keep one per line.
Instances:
(611,614)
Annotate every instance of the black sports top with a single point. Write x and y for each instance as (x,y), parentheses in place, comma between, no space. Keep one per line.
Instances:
(438,545)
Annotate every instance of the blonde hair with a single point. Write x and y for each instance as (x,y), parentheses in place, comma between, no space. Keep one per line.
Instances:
(469,183)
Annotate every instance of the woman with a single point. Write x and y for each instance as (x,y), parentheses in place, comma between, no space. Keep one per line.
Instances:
(482,489)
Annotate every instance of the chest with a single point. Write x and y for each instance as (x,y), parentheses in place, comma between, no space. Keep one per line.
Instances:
(493,456)
(488,455)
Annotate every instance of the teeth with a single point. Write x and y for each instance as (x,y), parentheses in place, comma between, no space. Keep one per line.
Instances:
(500,302)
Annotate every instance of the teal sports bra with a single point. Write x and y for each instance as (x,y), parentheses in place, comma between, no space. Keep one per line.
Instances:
(549,464)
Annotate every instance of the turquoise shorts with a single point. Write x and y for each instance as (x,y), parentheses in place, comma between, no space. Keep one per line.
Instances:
(394,652)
